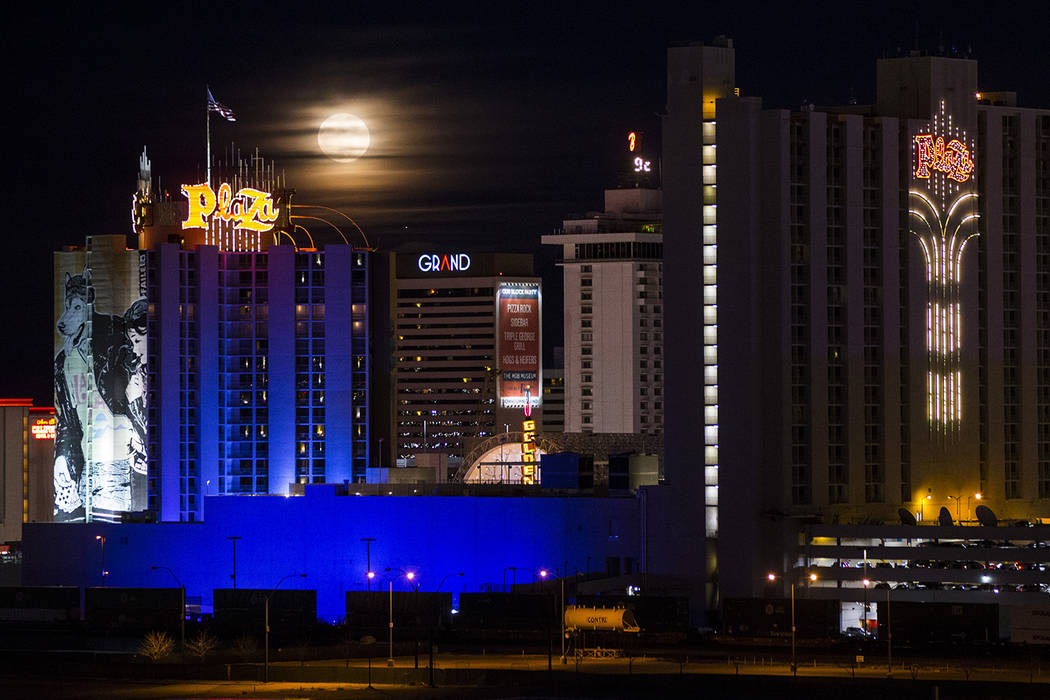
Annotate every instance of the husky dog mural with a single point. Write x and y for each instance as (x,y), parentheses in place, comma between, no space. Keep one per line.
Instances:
(99,375)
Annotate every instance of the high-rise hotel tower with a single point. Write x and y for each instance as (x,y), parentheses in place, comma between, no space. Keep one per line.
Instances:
(857,305)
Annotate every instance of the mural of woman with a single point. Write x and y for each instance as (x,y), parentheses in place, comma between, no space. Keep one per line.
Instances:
(99,372)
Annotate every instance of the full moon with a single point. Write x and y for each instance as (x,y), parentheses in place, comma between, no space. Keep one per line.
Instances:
(343,137)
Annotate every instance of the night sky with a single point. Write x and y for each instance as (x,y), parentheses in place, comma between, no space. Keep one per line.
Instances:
(489,126)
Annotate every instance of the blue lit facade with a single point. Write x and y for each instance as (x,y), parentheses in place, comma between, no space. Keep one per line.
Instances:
(258,372)
(489,539)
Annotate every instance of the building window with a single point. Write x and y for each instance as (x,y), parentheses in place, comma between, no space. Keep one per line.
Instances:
(1013,480)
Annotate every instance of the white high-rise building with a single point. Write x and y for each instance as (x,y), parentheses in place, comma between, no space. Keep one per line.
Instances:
(613,272)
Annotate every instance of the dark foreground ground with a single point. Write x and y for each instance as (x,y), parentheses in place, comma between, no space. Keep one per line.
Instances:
(521,676)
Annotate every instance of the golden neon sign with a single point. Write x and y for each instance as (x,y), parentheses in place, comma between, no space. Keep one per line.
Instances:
(953,159)
(43,429)
(249,209)
(528,452)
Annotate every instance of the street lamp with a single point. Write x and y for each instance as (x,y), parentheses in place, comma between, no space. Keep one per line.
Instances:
(976,497)
(182,608)
(234,574)
(515,576)
(446,577)
(958,507)
(794,659)
(368,554)
(266,631)
(410,575)
(101,539)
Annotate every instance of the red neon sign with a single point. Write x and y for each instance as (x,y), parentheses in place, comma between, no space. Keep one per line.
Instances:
(43,429)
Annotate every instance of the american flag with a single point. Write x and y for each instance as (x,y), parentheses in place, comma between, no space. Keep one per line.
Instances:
(215,106)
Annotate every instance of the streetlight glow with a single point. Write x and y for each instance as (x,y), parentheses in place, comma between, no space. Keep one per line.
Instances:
(771,576)
(812,577)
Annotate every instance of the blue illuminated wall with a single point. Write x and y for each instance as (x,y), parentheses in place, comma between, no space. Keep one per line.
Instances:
(258,372)
(320,534)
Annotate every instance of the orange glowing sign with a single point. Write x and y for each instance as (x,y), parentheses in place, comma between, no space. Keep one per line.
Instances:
(249,209)
(528,452)
(953,159)
(43,428)
(632,142)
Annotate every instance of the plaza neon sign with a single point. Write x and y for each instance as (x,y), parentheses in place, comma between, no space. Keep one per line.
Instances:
(432,262)
(249,209)
(43,429)
(953,159)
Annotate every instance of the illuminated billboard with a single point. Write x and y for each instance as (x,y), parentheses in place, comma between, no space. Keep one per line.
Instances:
(99,382)
(43,428)
(942,215)
(231,220)
(518,344)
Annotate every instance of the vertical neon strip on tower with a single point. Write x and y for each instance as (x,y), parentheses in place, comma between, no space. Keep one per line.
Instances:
(709,166)
(943,216)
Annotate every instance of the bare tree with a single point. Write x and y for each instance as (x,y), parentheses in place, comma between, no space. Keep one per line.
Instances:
(157,645)
(202,645)
(246,647)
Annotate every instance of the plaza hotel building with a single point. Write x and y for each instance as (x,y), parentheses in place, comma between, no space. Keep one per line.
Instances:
(857,315)
(255,366)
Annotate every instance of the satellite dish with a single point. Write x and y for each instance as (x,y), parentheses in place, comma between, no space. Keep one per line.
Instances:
(945,517)
(986,517)
(906,516)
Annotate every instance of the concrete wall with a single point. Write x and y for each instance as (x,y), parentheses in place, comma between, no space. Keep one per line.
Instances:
(320,534)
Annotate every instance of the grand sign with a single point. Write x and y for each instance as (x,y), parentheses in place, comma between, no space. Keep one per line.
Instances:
(449,262)
(248,209)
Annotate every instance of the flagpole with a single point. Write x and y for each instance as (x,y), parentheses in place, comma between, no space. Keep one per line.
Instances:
(207,126)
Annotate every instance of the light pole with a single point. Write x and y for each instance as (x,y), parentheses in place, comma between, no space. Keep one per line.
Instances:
(866,581)
(182,608)
(794,659)
(369,575)
(234,574)
(889,636)
(411,576)
(515,575)
(976,497)
(101,539)
(444,578)
(266,631)
(958,507)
